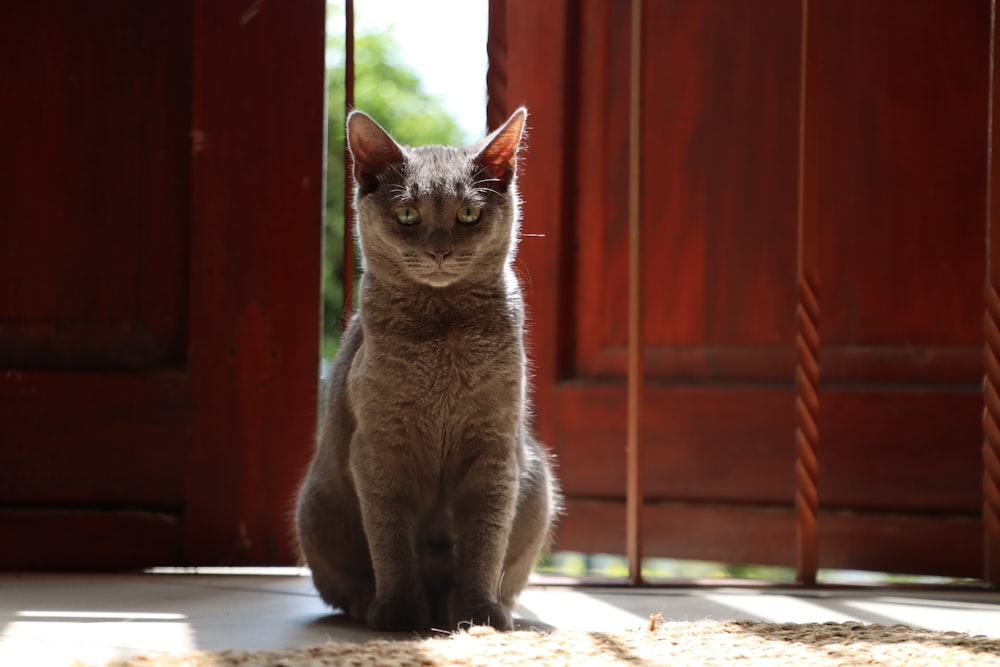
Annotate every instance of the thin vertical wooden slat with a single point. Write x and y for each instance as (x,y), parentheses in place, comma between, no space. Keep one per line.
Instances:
(806,341)
(634,500)
(496,73)
(347,303)
(991,356)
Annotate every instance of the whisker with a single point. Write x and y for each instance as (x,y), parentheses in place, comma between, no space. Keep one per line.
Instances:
(486,180)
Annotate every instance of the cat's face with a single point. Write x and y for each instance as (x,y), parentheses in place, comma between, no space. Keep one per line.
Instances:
(435,215)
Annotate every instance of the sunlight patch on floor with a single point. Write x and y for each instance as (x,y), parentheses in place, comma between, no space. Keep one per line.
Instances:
(968,617)
(62,637)
(777,609)
(578,610)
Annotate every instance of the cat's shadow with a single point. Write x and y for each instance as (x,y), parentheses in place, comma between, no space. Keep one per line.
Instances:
(340,627)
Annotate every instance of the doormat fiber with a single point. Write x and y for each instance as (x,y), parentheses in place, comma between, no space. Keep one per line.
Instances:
(671,644)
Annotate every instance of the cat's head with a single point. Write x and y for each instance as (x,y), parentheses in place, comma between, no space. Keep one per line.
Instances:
(435,215)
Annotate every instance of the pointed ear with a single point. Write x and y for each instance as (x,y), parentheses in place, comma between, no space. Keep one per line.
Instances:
(372,148)
(498,160)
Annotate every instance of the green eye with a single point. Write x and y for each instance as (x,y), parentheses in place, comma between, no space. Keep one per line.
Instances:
(407,215)
(468,214)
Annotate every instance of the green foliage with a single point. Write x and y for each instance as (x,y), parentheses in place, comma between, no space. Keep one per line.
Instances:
(390,92)
(614,566)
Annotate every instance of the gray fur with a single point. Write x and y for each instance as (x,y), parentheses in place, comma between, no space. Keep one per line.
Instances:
(427,500)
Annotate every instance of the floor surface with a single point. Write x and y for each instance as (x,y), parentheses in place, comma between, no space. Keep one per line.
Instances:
(54,620)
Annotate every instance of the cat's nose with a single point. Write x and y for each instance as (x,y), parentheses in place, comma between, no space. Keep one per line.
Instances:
(438,245)
(439,255)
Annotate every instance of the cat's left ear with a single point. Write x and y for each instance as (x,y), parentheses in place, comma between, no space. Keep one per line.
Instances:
(372,148)
(498,159)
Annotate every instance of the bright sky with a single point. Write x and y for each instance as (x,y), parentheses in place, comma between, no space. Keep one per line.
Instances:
(445,42)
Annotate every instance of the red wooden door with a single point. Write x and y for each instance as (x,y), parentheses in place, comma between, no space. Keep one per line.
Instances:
(159,275)
(892,181)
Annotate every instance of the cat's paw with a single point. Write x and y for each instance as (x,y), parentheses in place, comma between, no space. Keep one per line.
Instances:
(481,612)
(361,602)
(398,613)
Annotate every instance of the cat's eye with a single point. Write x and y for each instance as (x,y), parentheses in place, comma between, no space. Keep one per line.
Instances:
(407,215)
(468,214)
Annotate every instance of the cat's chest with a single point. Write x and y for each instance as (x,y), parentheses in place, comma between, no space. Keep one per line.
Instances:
(454,355)
(441,368)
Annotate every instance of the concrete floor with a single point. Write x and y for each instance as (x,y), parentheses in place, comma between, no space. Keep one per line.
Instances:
(54,620)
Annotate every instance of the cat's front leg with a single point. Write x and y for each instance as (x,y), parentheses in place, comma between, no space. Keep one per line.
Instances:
(389,514)
(483,509)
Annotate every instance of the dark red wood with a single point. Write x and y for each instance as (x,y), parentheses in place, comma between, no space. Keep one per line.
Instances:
(900,119)
(94,243)
(703,208)
(894,147)
(159,280)
(692,451)
(722,533)
(94,237)
(936,363)
(254,352)
(895,159)
(807,341)
(717,444)
(765,535)
(55,539)
(350,259)
(537,39)
(93,439)
(894,542)
(497,107)
(636,301)
(991,352)
(915,451)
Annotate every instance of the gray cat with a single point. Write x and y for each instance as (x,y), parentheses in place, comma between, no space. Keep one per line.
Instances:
(427,500)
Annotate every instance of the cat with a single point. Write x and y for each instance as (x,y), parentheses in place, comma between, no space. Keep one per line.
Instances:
(427,501)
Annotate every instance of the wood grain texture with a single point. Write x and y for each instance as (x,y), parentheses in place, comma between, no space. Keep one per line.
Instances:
(254,354)
(765,535)
(894,158)
(159,280)
(807,321)
(700,443)
(900,144)
(94,240)
(349,250)
(991,434)
(727,444)
(719,211)
(94,249)
(97,440)
(88,540)
(634,497)
(538,62)
(991,331)
(497,107)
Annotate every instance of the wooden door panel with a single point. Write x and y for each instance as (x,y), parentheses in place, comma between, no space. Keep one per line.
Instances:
(711,443)
(893,138)
(97,439)
(726,444)
(94,246)
(883,542)
(900,145)
(88,539)
(907,450)
(892,177)
(719,206)
(159,280)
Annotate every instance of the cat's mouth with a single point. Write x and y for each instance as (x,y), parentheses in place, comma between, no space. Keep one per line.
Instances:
(439,276)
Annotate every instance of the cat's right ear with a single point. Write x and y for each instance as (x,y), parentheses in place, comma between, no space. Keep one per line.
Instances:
(372,149)
(498,159)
